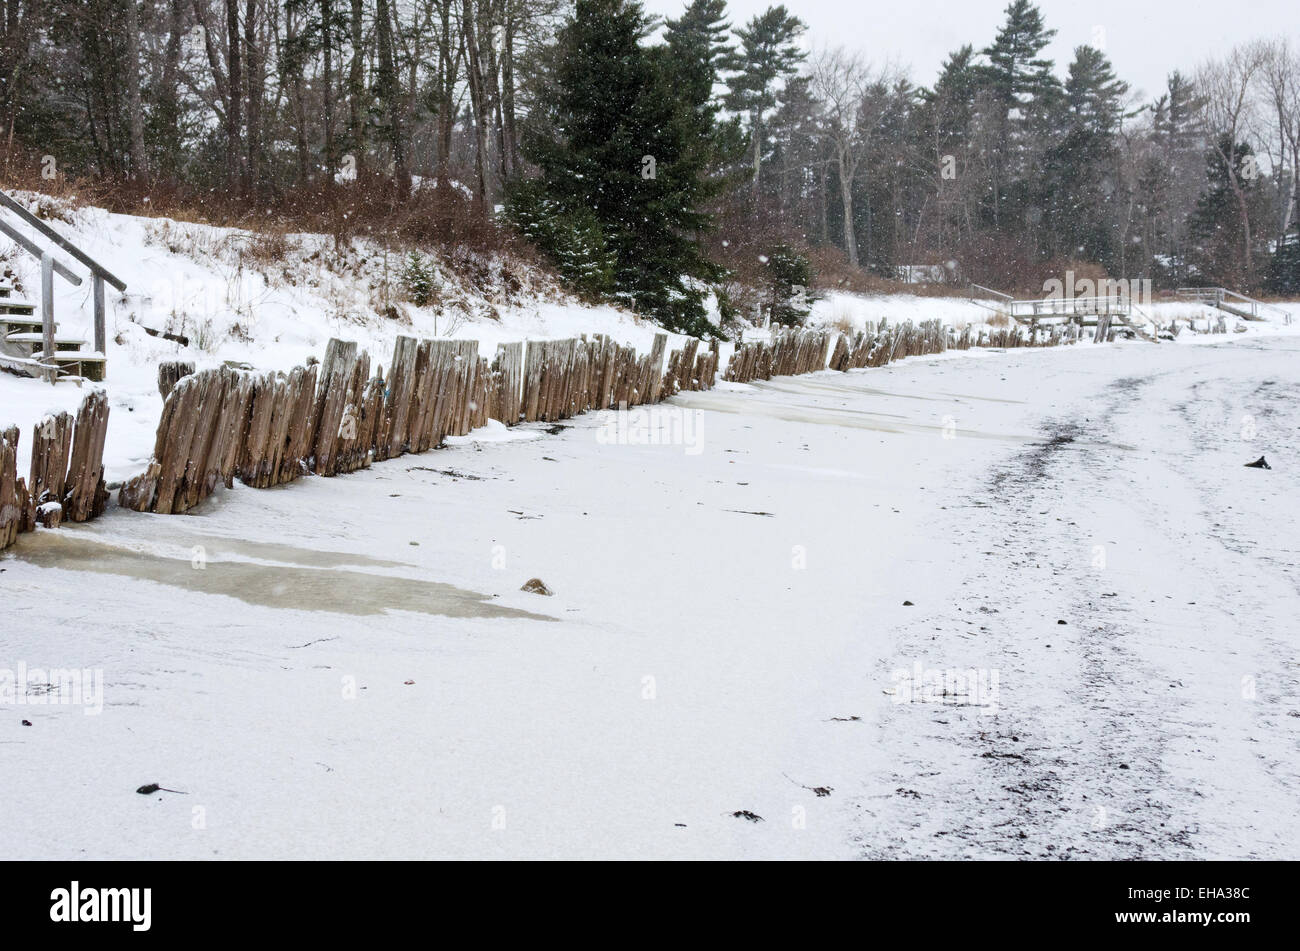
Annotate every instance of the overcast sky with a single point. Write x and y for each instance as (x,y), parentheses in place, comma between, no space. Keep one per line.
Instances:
(1145,39)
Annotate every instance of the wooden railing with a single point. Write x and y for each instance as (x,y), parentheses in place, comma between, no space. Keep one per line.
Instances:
(50,266)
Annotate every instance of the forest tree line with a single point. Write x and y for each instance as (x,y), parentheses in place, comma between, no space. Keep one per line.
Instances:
(654,161)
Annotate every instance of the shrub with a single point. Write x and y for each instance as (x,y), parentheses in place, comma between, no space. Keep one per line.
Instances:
(789,275)
(1284,268)
(569,237)
(419,279)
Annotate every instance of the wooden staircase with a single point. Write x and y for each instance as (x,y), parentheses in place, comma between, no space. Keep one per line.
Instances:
(1230,302)
(22,343)
(29,342)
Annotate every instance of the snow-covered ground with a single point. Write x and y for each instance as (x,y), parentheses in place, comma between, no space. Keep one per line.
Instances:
(346,667)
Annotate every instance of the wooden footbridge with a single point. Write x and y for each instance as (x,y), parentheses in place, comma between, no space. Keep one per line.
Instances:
(1105,312)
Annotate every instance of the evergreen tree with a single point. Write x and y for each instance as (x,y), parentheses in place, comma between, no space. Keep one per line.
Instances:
(700,51)
(1216,225)
(1022,92)
(797,165)
(950,105)
(1171,178)
(1284,267)
(622,145)
(769,55)
(788,276)
(945,146)
(1081,174)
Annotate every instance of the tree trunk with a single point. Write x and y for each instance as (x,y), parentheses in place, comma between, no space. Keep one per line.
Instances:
(139,165)
(169,102)
(233,72)
(255,64)
(494,97)
(392,96)
(327,93)
(448,59)
(298,104)
(508,90)
(846,198)
(469,37)
(356,90)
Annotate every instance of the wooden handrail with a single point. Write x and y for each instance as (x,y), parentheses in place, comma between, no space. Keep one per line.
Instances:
(61,241)
(32,248)
(989,290)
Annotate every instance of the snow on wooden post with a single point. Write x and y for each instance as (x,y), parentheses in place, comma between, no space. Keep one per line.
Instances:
(510,358)
(331,400)
(51,441)
(86,494)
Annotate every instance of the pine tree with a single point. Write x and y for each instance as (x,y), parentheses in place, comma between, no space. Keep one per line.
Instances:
(1216,225)
(1023,93)
(769,55)
(1094,97)
(1081,175)
(1172,177)
(788,275)
(701,51)
(620,143)
(1284,267)
(946,143)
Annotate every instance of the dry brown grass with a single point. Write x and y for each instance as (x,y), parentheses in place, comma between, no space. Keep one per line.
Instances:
(432,218)
(267,246)
(844,326)
(832,271)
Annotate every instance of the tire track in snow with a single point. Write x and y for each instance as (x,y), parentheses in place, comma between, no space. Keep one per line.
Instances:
(1101,750)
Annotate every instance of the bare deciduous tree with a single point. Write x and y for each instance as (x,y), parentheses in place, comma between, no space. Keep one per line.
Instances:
(854,96)
(1226,86)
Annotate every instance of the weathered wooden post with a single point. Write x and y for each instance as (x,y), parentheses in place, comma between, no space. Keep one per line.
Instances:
(101,342)
(47,315)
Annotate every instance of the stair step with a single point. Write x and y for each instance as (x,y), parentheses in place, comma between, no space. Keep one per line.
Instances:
(38,338)
(22,320)
(87,355)
(89,365)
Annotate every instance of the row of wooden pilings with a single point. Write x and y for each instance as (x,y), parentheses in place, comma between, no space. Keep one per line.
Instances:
(334,417)
(66,479)
(794,352)
(270,428)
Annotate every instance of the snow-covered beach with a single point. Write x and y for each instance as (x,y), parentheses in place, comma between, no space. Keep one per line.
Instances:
(347,668)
